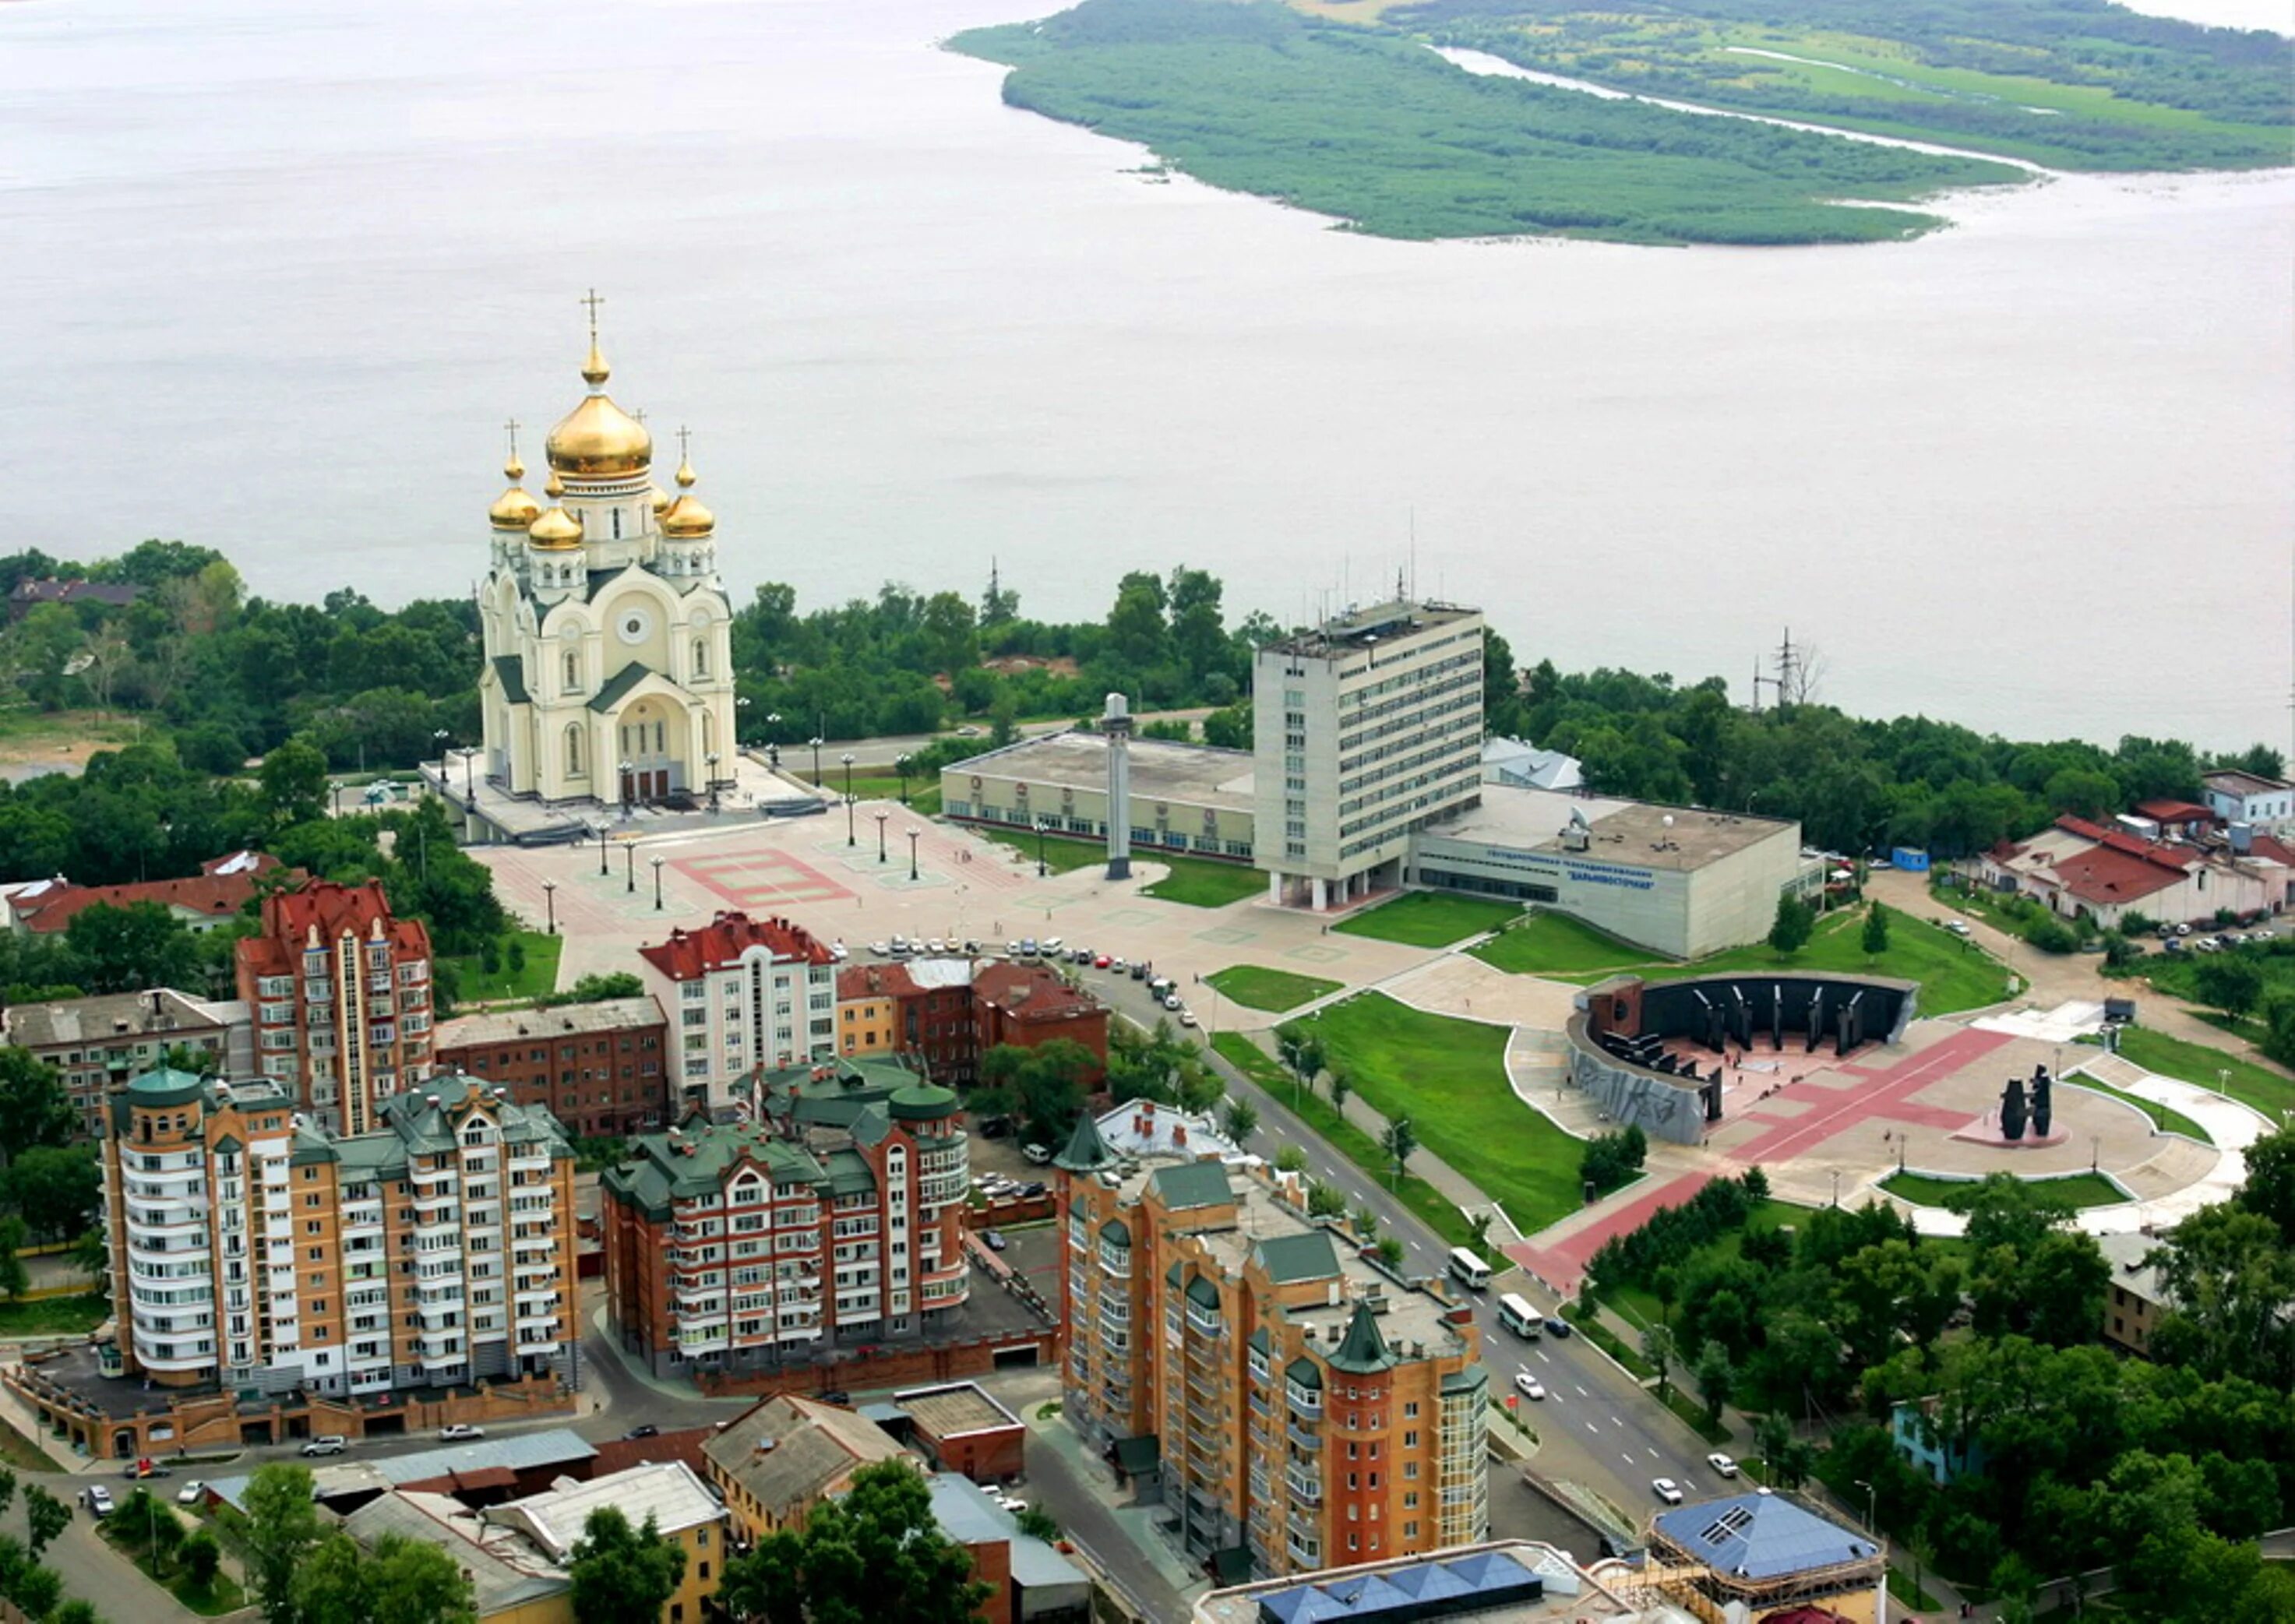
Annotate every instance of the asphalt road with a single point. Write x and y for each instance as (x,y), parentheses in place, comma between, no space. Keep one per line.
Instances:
(1596,1426)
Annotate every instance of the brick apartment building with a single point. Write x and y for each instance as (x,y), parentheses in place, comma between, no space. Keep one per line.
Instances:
(96,1044)
(1296,1407)
(742,995)
(838,1219)
(1029,1004)
(599,1068)
(946,1013)
(341,995)
(249,1249)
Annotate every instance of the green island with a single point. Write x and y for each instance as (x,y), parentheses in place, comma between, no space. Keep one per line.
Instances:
(1257,987)
(2078,1190)
(1381,133)
(2068,84)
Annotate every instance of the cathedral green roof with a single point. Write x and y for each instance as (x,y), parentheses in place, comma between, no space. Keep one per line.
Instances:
(509,671)
(617,686)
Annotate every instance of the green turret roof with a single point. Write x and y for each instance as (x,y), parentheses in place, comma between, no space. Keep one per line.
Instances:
(167,1086)
(1202,1293)
(1363,1351)
(922,1102)
(1086,1152)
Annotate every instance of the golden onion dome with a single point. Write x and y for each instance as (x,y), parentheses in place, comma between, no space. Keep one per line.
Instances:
(686,515)
(514,510)
(659,498)
(554,487)
(556,530)
(598,439)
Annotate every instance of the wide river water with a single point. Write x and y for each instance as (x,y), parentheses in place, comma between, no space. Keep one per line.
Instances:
(278,270)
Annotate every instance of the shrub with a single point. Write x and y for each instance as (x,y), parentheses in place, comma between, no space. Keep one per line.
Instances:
(2052,936)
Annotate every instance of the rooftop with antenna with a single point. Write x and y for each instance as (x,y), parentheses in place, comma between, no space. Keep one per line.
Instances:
(1356,628)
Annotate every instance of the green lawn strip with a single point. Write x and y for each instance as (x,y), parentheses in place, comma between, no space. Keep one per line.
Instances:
(224,1595)
(924,790)
(1259,988)
(1693,1415)
(2210,1068)
(2081,1189)
(1546,943)
(1428,919)
(1906,1593)
(473,985)
(1201,882)
(1061,854)
(1426,1203)
(1449,1077)
(2165,1117)
(55,1315)
(1953,974)
(23,1455)
(1602,1337)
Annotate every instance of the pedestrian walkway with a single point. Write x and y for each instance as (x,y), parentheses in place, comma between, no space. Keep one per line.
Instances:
(1145,1544)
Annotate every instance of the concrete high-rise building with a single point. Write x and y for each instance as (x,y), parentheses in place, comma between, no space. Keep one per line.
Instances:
(741,996)
(340,989)
(1367,728)
(1295,1407)
(251,1249)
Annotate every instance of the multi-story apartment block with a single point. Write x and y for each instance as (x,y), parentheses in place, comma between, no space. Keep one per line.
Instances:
(1367,728)
(1292,1402)
(867,1012)
(97,1043)
(250,1248)
(599,1068)
(742,996)
(341,995)
(838,1218)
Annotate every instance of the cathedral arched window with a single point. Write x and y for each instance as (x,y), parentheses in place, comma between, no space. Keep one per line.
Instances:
(617,524)
(573,674)
(573,750)
(700,657)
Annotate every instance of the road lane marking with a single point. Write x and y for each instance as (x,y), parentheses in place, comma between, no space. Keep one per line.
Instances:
(1654,1456)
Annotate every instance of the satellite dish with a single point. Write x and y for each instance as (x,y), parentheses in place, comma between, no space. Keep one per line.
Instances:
(1667,820)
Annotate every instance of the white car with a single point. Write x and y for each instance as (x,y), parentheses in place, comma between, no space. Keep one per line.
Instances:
(1051,944)
(880,948)
(462,1432)
(190,1493)
(1666,1489)
(1012,1503)
(838,951)
(1171,999)
(936,946)
(1722,1463)
(1958,928)
(1187,1017)
(1529,1385)
(98,1500)
(326,1443)
(1038,1153)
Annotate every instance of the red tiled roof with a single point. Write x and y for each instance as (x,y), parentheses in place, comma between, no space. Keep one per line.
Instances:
(2176,860)
(290,918)
(2102,875)
(1030,991)
(721,943)
(2273,847)
(2174,811)
(219,890)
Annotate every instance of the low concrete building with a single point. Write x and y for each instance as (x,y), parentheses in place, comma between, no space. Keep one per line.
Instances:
(1191,798)
(2133,1307)
(599,1068)
(958,1428)
(668,1496)
(96,1044)
(1028,1581)
(785,1455)
(1505,1581)
(2236,796)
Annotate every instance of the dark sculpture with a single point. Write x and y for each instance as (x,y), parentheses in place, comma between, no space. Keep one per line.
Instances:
(2043,1087)
(2012,1110)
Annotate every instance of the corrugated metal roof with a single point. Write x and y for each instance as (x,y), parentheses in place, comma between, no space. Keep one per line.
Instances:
(1760,1536)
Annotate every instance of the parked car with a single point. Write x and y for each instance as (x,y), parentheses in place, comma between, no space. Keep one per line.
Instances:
(1722,1463)
(1027,947)
(900,947)
(1958,928)
(326,1443)
(935,947)
(1529,1385)
(647,1431)
(462,1432)
(190,1493)
(1666,1489)
(1012,1503)
(994,1239)
(1100,961)
(880,948)
(1171,999)
(1117,964)
(1557,1327)
(1051,944)
(1140,971)
(1187,1017)
(97,1498)
(143,1468)
(1038,1153)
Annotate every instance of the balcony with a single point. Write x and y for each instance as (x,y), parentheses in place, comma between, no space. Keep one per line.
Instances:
(1302,1439)
(1303,1553)
(1305,1486)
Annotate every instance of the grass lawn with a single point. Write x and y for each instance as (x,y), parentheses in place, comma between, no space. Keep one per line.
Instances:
(2081,1189)
(1424,1201)
(2248,1083)
(1449,1077)
(1547,944)
(212,1601)
(540,974)
(924,789)
(1201,882)
(1429,918)
(1061,854)
(1953,974)
(1265,989)
(21,1453)
(1907,1592)
(2164,1117)
(55,1315)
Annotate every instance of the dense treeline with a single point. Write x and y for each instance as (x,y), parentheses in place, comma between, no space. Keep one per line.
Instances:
(1384,134)
(2065,1455)
(1855,785)
(2239,82)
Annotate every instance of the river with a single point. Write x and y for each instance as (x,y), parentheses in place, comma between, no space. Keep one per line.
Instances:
(279,269)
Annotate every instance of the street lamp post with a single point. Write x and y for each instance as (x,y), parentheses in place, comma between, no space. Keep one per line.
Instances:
(880,835)
(712,759)
(850,839)
(338,788)
(740,704)
(913,834)
(1042,867)
(1872,1498)
(469,793)
(900,764)
(601,852)
(1836,1187)
(774,739)
(815,742)
(630,868)
(549,904)
(656,883)
(441,736)
(629,772)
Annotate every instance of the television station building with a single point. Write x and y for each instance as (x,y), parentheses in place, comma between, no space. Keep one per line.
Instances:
(1370,773)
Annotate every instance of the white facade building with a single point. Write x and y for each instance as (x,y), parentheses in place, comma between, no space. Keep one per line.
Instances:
(609,670)
(2250,797)
(1366,728)
(742,996)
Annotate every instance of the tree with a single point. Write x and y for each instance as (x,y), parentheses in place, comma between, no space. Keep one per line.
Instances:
(1324,1200)
(1715,1377)
(38,1592)
(294,781)
(1784,1456)
(46,1517)
(1341,1085)
(33,1107)
(1790,931)
(202,1558)
(1658,1347)
(1038,1523)
(1241,1121)
(76,1612)
(874,1553)
(401,1582)
(2231,983)
(124,950)
(623,1575)
(1876,931)
(1478,1228)
(14,1238)
(2269,1191)
(1399,1141)
(7,1490)
(1756,1184)
(1365,1220)
(281,1531)
(1290,1159)
(1390,1251)
(2231,1280)
(58,1188)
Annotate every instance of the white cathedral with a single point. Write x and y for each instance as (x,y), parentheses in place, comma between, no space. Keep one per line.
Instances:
(609,674)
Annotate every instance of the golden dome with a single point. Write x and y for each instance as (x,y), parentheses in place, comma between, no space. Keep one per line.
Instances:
(660,499)
(514,510)
(554,487)
(556,530)
(598,439)
(688,517)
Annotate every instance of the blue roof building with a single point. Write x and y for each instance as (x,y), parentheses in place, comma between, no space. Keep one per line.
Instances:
(1767,1551)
